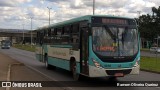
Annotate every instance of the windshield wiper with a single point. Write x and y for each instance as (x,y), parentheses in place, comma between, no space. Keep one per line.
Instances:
(113,36)
(110,32)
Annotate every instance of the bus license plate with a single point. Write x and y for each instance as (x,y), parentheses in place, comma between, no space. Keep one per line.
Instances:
(119,74)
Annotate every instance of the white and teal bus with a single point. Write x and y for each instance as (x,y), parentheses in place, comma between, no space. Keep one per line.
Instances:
(92,45)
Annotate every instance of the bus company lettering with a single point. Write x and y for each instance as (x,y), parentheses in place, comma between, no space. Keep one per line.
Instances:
(15,84)
(107,48)
(59,53)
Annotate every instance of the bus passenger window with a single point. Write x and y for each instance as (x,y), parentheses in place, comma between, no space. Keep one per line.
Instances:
(37,38)
(49,32)
(52,31)
(66,30)
(62,31)
(75,28)
(59,31)
(75,33)
(44,32)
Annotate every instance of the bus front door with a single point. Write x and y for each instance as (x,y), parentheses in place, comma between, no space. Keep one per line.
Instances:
(84,51)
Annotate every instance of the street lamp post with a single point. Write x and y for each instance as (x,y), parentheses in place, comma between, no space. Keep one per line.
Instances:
(139,13)
(158,37)
(23,33)
(93,6)
(49,13)
(31,29)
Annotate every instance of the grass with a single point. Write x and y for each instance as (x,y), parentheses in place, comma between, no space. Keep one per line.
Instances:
(150,64)
(25,47)
(144,49)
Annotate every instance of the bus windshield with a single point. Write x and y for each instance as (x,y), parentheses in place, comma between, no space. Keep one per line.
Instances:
(5,42)
(115,40)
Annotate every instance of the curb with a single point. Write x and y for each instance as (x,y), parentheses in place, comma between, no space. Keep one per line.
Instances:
(150,71)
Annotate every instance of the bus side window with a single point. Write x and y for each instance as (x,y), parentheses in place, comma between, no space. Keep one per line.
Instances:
(44,32)
(59,31)
(52,31)
(52,35)
(37,34)
(66,30)
(75,28)
(41,37)
(58,36)
(48,38)
(75,33)
(65,35)
(49,32)
(74,36)
(37,38)
(62,31)
(55,31)
(71,39)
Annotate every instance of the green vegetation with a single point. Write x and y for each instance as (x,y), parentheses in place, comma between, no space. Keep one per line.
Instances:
(150,64)
(144,49)
(25,47)
(149,24)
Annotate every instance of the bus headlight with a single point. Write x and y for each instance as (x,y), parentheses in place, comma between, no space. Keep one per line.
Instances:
(97,64)
(137,62)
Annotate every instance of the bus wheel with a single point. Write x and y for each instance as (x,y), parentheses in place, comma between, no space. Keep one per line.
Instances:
(48,66)
(74,71)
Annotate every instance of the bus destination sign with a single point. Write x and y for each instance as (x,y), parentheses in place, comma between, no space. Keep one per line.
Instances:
(114,21)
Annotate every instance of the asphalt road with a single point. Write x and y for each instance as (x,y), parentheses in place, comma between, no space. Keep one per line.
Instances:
(150,54)
(28,58)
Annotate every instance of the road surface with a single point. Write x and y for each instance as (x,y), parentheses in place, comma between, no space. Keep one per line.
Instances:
(28,58)
(150,54)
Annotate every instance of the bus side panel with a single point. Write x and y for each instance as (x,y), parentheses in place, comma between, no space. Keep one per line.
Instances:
(59,56)
(39,54)
(62,63)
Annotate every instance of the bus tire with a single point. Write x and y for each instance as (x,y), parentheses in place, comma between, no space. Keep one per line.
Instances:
(76,76)
(48,66)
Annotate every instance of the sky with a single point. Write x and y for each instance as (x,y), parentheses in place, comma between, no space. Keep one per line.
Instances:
(17,14)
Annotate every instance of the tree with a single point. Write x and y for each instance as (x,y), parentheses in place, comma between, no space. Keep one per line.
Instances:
(149,25)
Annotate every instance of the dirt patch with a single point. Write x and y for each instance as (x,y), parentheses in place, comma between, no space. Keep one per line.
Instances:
(5,61)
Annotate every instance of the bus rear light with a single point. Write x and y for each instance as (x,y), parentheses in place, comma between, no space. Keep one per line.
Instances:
(97,64)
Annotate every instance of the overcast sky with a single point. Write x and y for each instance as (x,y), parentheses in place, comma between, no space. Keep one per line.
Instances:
(15,13)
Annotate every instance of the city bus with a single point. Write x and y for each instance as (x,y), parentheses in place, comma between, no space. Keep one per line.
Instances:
(91,45)
(5,44)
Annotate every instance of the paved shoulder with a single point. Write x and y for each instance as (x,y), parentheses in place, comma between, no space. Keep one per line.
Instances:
(19,72)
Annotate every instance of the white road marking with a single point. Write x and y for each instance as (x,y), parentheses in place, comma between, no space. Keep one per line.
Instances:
(50,78)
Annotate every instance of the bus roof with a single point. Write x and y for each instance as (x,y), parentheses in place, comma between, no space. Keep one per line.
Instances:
(82,18)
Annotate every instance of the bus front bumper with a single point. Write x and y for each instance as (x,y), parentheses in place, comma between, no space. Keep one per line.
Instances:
(101,72)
